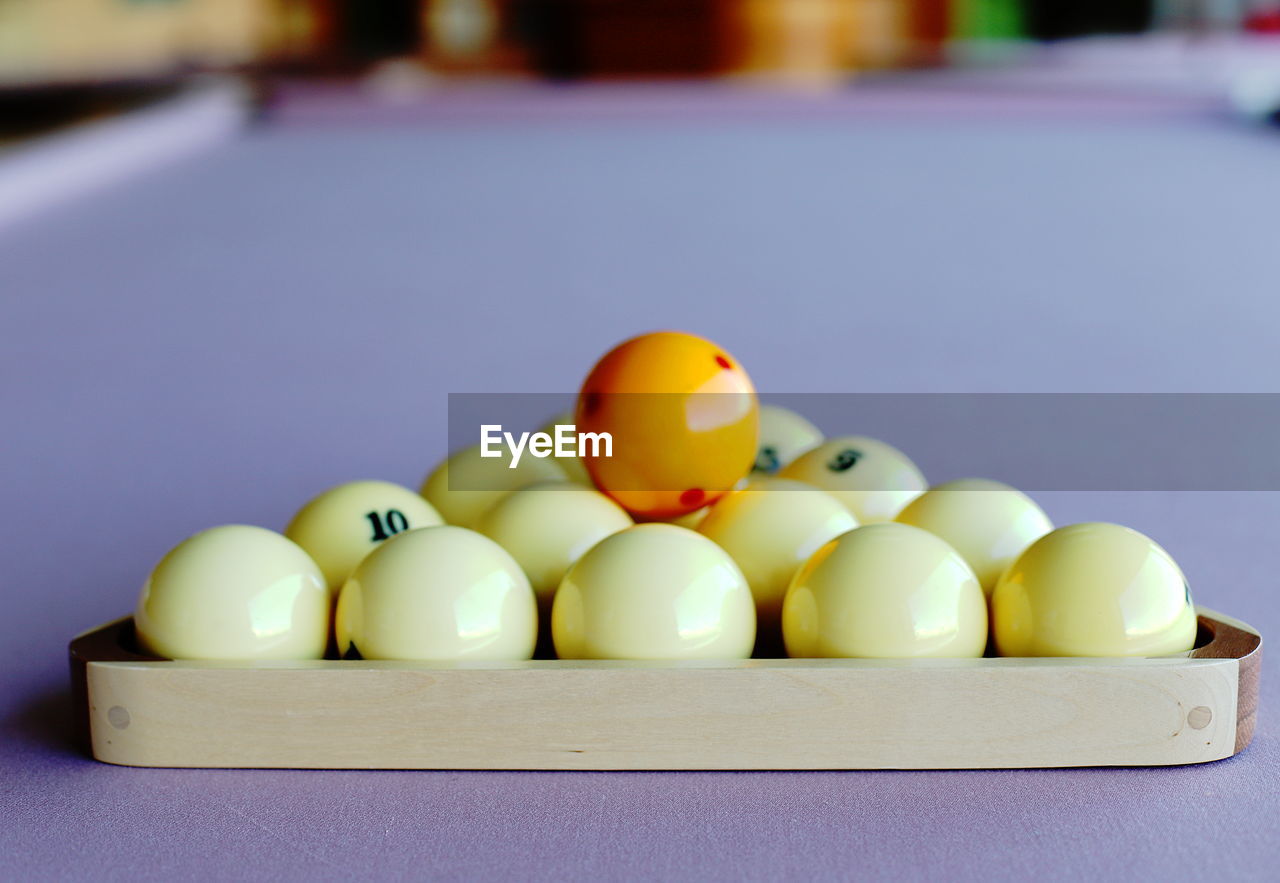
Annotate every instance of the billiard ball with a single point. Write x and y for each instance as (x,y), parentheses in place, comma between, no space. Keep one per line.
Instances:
(1093,589)
(987,522)
(784,435)
(771,528)
(885,591)
(654,591)
(345,523)
(437,593)
(464,486)
(570,463)
(681,414)
(873,479)
(234,592)
(547,527)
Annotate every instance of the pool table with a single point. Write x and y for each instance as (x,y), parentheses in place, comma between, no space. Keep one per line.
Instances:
(213,339)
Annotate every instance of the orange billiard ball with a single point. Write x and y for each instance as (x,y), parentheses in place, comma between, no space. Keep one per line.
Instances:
(683,420)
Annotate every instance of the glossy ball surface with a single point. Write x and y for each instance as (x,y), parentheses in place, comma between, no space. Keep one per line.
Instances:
(770,528)
(1093,589)
(683,417)
(987,522)
(464,486)
(885,591)
(784,435)
(547,527)
(873,480)
(438,593)
(654,591)
(341,526)
(235,592)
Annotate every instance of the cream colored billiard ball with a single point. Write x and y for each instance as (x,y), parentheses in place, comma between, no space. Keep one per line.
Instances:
(873,480)
(235,592)
(438,593)
(654,591)
(547,527)
(570,463)
(784,435)
(771,528)
(885,591)
(464,486)
(987,522)
(1093,589)
(345,523)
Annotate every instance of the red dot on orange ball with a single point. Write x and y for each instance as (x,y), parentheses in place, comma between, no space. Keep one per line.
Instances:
(683,418)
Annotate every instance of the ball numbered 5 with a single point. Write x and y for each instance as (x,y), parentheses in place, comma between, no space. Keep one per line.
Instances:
(872,479)
(784,435)
(235,592)
(1093,589)
(341,526)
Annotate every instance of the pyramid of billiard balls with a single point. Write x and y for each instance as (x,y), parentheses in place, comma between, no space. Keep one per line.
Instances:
(688,522)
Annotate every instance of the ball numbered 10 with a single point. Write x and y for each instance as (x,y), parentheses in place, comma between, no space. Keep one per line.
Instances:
(341,526)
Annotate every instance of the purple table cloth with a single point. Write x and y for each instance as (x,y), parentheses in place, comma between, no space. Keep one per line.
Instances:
(219,340)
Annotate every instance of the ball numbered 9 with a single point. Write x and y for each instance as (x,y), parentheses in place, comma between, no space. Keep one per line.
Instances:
(872,479)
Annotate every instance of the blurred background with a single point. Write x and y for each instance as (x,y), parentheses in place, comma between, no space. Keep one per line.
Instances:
(45,42)
(428,197)
(60,57)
